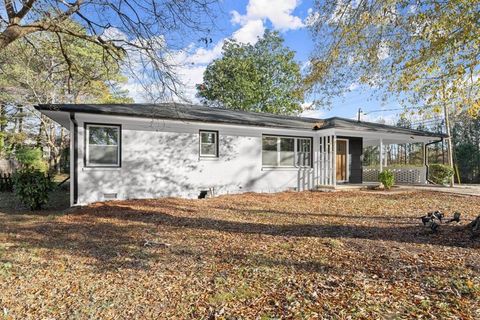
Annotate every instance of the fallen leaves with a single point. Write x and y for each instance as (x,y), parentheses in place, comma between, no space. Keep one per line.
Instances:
(289,255)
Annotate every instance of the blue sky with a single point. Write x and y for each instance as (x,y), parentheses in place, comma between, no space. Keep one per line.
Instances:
(245,20)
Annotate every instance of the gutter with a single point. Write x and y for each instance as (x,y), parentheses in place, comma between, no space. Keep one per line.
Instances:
(425,149)
(75,157)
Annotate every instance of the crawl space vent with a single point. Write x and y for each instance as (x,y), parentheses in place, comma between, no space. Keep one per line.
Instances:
(110,196)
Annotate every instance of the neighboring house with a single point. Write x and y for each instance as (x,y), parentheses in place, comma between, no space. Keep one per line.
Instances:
(148,151)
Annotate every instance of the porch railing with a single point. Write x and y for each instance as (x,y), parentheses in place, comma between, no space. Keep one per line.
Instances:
(403,175)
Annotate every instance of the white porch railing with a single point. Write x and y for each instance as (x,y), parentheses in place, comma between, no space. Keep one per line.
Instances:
(326,161)
(403,175)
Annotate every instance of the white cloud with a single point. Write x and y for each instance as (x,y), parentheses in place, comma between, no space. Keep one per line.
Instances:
(310,112)
(383,51)
(205,56)
(114,34)
(305,66)
(312,17)
(190,76)
(390,119)
(249,32)
(279,14)
(353,86)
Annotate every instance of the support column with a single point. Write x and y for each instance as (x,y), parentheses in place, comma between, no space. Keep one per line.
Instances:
(424,149)
(381,154)
(385,157)
(334,153)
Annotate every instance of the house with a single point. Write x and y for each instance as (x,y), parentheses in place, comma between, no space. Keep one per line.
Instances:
(128,151)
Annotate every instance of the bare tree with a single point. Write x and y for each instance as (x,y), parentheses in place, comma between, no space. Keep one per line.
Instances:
(141,29)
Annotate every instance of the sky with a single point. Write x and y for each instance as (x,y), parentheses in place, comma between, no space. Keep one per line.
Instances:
(245,20)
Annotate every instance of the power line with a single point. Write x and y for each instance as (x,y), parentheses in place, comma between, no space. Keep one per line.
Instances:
(395,109)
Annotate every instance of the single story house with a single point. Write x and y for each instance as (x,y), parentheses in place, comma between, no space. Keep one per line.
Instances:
(132,151)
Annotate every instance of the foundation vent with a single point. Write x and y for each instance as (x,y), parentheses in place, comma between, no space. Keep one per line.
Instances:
(109,196)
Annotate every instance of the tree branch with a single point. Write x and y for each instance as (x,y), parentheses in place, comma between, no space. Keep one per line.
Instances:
(27,6)
(10,10)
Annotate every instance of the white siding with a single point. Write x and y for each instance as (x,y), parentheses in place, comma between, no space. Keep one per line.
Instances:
(161,158)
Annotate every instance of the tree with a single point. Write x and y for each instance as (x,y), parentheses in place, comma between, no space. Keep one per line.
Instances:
(141,29)
(466,138)
(426,52)
(34,71)
(263,77)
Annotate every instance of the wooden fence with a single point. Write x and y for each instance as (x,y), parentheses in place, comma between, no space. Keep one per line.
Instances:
(6,182)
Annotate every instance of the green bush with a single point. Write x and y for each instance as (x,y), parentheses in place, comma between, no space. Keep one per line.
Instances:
(32,187)
(387,178)
(440,173)
(31,158)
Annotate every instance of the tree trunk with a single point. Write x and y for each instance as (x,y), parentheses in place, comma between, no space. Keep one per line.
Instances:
(2,133)
(20,119)
(41,131)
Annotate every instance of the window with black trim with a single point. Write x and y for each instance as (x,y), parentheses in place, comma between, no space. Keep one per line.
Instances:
(208,144)
(279,151)
(102,147)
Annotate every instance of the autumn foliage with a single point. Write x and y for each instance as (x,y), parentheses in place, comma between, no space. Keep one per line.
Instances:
(306,255)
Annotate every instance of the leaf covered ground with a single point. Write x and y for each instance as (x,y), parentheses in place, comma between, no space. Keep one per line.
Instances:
(307,255)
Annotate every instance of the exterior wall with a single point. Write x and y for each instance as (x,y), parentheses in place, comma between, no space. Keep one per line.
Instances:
(161,158)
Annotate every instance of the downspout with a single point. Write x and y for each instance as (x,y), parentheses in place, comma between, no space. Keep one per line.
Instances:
(425,153)
(75,158)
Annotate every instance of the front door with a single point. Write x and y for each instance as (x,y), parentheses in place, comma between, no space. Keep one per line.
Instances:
(341,161)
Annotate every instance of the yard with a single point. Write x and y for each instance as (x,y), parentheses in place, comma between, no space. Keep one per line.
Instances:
(289,255)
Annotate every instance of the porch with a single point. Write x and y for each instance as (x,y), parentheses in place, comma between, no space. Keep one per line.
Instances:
(352,159)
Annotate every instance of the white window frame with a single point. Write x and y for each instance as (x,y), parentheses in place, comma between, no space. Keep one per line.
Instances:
(295,151)
(87,145)
(211,156)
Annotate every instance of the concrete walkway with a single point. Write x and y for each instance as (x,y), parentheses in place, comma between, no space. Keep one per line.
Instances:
(472,190)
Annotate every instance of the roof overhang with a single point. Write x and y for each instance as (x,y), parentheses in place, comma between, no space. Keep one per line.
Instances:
(60,117)
(370,132)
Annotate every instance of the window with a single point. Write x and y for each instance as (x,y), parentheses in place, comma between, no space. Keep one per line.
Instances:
(269,151)
(286,151)
(208,144)
(102,145)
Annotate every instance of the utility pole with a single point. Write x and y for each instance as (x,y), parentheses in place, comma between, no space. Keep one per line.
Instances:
(450,148)
(359,114)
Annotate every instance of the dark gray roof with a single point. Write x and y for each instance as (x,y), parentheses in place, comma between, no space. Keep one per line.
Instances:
(349,124)
(177,111)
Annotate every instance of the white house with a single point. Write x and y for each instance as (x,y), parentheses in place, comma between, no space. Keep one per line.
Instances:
(148,151)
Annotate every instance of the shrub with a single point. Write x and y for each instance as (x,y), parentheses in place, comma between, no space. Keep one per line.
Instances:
(32,187)
(31,158)
(387,178)
(440,173)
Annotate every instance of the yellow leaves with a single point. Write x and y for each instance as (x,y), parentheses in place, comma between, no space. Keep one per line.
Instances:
(469,284)
(474,109)
(437,109)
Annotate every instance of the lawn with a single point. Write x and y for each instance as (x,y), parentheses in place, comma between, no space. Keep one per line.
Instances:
(289,255)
